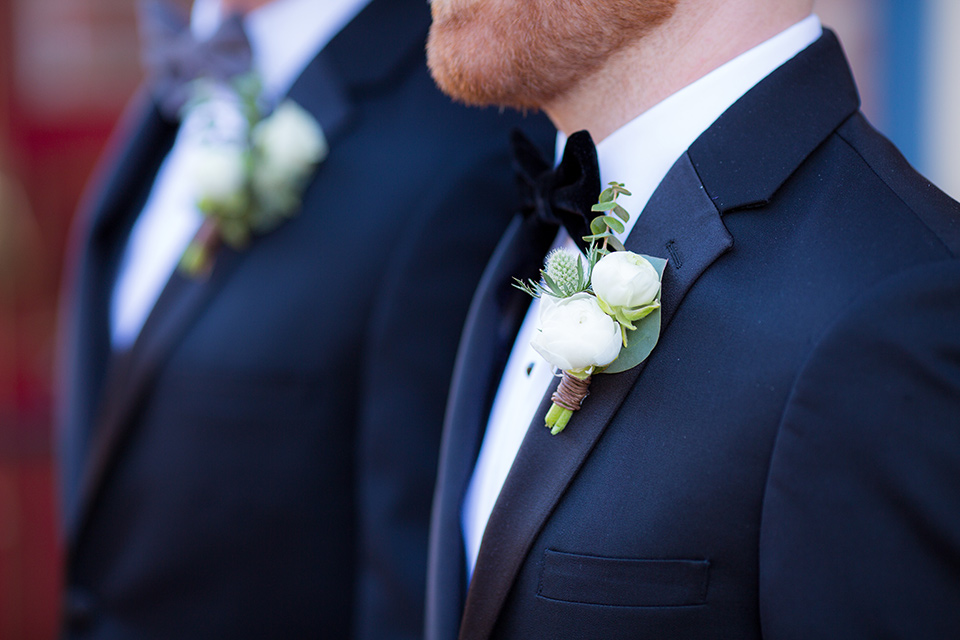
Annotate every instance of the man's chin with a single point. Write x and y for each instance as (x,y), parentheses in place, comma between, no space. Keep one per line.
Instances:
(472,66)
(473,82)
(506,53)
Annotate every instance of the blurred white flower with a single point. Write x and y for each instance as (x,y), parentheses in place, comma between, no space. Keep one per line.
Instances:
(288,143)
(218,171)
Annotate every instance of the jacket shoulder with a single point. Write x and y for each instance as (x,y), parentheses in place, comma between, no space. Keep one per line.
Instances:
(935,209)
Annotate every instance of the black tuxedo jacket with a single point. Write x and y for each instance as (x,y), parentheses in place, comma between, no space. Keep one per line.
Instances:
(264,456)
(786,464)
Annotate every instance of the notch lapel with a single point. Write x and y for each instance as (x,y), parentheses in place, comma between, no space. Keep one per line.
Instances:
(110,208)
(679,222)
(130,374)
(490,329)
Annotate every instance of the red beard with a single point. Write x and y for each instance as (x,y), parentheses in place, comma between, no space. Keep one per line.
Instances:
(526,53)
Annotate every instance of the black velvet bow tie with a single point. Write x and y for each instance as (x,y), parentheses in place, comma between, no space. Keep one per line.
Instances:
(561,195)
(173,58)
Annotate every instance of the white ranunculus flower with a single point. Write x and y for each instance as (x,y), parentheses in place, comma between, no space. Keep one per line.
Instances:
(218,171)
(625,279)
(290,142)
(575,334)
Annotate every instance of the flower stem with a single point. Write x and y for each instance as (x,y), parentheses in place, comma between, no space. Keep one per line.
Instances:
(566,399)
(197,258)
(557,418)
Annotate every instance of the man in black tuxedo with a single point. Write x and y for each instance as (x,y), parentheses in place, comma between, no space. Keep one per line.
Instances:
(786,463)
(255,457)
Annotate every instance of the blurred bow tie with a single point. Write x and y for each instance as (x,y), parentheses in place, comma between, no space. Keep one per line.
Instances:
(561,195)
(173,58)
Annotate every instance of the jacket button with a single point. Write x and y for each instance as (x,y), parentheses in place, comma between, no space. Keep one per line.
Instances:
(78,609)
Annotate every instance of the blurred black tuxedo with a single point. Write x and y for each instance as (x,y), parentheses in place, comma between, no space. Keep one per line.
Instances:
(260,464)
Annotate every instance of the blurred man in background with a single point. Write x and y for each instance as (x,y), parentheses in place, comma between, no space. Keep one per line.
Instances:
(251,410)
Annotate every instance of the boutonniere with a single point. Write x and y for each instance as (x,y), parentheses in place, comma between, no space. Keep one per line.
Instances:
(599,313)
(248,175)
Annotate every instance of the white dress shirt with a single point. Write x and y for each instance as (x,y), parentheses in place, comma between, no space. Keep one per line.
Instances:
(285,35)
(639,154)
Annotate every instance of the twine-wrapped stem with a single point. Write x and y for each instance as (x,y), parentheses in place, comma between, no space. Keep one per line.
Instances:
(571,392)
(566,399)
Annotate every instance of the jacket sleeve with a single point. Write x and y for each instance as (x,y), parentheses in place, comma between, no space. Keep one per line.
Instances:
(860,536)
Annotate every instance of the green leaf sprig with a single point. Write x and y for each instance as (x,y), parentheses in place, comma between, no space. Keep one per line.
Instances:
(561,278)
(613,218)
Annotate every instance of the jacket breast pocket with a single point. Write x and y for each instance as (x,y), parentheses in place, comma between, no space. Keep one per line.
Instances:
(623,582)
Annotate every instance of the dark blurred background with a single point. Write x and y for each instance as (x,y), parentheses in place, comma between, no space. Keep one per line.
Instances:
(66,69)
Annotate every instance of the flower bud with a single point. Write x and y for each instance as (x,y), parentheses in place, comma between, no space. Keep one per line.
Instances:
(623,279)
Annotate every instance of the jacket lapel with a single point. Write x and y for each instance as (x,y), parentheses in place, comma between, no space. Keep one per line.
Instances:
(739,162)
(84,332)
(679,219)
(129,374)
(492,323)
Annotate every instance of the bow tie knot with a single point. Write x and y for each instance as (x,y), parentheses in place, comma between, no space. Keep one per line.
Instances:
(173,58)
(561,195)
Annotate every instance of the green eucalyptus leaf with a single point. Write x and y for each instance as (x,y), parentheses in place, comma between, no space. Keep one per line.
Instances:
(658,264)
(604,206)
(616,244)
(597,226)
(613,223)
(640,343)
(621,213)
(606,195)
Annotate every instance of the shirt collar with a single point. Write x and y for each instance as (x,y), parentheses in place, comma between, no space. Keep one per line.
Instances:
(641,152)
(285,35)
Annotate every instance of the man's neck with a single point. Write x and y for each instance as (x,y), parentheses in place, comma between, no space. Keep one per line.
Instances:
(664,61)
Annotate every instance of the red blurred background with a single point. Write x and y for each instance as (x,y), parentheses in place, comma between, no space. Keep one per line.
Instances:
(66,70)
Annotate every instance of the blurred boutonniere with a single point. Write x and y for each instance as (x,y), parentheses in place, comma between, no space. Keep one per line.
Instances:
(249,167)
(599,313)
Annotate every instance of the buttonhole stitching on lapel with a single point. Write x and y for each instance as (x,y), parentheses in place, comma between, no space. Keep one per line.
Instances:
(675,255)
